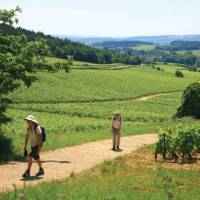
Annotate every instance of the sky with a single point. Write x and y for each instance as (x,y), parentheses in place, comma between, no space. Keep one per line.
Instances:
(111,18)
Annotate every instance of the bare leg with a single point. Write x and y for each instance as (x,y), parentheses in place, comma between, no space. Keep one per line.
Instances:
(30,161)
(39,163)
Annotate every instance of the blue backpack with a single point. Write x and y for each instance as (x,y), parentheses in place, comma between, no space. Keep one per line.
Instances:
(43,132)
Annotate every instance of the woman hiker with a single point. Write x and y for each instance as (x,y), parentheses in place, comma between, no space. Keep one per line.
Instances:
(34,134)
(116,125)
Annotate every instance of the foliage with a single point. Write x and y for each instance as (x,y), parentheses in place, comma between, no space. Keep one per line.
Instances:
(120,44)
(184,141)
(179,74)
(190,105)
(181,45)
(19,59)
(6,148)
(62,48)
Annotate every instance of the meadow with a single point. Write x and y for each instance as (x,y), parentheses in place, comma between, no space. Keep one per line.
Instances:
(95,85)
(195,52)
(79,64)
(144,47)
(77,107)
(135,176)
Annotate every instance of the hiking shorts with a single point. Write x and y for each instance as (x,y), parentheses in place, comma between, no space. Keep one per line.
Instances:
(34,153)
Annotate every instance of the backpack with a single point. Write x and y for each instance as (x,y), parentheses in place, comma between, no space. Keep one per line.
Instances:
(43,132)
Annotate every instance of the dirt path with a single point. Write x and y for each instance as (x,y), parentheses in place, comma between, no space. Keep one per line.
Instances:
(139,98)
(61,163)
(144,98)
(120,67)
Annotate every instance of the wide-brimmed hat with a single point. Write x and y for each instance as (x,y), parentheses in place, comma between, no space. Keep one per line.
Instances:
(31,118)
(116,113)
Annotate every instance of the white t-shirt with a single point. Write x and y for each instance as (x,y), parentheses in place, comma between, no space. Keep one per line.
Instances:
(33,134)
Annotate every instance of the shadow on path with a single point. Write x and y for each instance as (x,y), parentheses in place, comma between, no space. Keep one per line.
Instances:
(56,161)
(31,178)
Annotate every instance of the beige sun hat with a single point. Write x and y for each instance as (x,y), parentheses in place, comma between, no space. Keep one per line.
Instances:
(31,118)
(116,113)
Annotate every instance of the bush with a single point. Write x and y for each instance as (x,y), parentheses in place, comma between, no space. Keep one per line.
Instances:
(182,141)
(190,102)
(179,74)
(6,148)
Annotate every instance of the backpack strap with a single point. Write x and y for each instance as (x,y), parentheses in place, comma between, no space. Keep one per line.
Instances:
(35,126)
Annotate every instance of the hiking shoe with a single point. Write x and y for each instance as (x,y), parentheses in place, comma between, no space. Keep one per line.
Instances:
(118,149)
(113,149)
(40,172)
(26,174)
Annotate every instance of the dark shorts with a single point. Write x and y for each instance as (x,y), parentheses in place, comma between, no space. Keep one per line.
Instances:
(34,153)
(115,131)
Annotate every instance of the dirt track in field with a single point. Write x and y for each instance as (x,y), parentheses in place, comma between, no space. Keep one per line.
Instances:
(62,163)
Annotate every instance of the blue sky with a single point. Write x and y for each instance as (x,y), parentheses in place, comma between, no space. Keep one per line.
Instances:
(114,18)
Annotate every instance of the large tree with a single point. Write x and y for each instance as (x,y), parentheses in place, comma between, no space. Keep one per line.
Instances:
(19,60)
(190,101)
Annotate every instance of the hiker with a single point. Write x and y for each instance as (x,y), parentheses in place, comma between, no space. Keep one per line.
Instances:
(34,134)
(116,125)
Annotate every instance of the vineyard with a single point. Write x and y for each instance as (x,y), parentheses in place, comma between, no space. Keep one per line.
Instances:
(101,85)
(78,106)
(178,142)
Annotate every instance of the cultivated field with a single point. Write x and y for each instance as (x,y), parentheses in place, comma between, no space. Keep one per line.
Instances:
(144,47)
(78,106)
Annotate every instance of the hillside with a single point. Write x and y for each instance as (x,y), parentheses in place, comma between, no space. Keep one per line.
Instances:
(78,106)
(120,44)
(162,39)
(61,48)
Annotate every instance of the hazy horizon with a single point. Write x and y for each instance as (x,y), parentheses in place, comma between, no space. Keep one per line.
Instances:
(95,18)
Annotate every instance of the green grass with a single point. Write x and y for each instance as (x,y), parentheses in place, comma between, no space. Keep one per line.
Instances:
(92,85)
(119,180)
(195,52)
(144,47)
(76,123)
(80,64)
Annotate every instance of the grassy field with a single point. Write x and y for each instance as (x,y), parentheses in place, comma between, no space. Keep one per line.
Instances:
(144,47)
(79,64)
(92,85)
(135,176)
(195,52)
(56,100)
(72,123)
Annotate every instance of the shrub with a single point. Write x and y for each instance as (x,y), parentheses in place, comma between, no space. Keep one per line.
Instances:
(190,105)
(6,148)
(182,141)
(158,68)
(179,74)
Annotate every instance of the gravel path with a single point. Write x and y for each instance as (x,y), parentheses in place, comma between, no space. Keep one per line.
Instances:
(61,163)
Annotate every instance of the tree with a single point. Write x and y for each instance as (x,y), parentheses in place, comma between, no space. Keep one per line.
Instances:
(19,60)
(190,101)
(179,74)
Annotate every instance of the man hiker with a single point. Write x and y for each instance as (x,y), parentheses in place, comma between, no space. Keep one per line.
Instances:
(34,135)
(116,125)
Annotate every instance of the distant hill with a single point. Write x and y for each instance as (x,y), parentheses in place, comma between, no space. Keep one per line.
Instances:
(120,44)
(163,39)
(63,47)
(180,46)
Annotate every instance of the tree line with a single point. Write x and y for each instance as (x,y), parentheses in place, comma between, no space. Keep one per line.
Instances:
(61,48)
(180,45)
